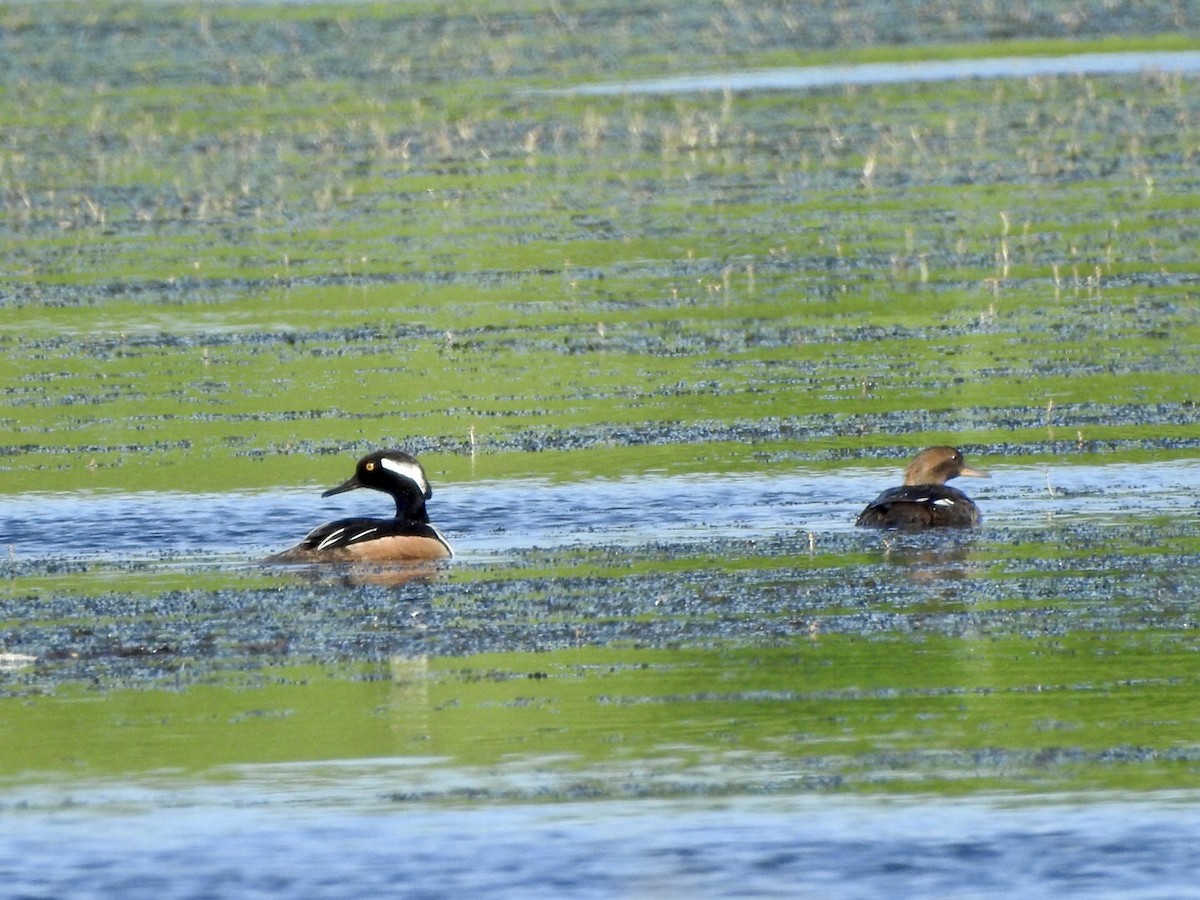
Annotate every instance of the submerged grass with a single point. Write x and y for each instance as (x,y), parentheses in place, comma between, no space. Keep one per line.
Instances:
(824,714)
(244,242)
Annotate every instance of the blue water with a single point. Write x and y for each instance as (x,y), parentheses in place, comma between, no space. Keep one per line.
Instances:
(825,846)
(489,517)
(810,77)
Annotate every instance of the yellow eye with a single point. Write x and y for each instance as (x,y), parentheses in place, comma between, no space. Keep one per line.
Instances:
(370,467)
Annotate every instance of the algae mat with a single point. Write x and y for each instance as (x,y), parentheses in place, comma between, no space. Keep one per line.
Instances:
(234,232)
(245,243)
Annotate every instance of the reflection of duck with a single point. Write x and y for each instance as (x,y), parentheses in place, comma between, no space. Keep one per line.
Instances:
(408,536)
(930,565)
(924,501)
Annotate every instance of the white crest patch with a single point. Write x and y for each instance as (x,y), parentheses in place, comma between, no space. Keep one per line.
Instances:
(408,470)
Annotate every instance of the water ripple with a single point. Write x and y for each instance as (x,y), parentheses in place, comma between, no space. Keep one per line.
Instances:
(735,847)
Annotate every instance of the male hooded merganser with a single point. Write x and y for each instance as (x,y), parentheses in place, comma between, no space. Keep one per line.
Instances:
(408,536)
(924,501)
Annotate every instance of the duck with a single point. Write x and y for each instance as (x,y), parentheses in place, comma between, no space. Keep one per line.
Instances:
(409,536)
(924,500)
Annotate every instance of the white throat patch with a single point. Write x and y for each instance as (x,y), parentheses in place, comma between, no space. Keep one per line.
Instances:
(408,470)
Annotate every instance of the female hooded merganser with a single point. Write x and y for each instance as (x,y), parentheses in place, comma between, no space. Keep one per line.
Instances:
(924,501)
(408,536)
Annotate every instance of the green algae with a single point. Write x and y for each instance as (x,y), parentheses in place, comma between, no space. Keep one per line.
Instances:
(854,713)
(234,249)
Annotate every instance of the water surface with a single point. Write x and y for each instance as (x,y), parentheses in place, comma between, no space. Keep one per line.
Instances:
(739,847)
(485,518)
(810,77)
(656,351)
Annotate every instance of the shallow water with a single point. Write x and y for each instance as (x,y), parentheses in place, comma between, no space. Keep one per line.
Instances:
(491,517)
(486,519)
(335,763)
(656,353)
(808,77)
(773,546)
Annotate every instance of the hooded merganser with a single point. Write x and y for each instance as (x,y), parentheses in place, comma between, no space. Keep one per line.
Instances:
(408,536)
(924,501)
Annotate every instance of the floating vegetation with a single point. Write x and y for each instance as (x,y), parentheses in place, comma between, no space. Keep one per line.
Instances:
(245,243)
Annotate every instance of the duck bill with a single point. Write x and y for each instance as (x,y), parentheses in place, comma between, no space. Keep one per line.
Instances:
(974,473)
(348,485)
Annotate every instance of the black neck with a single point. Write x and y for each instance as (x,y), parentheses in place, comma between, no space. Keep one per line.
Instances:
(410,507)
